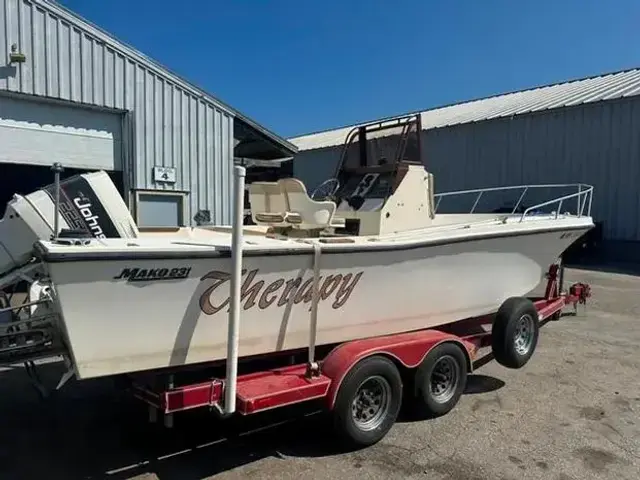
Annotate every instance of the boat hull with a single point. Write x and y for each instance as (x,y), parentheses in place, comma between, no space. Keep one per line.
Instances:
(122,316)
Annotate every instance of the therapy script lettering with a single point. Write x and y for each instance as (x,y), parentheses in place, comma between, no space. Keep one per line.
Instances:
(335,288)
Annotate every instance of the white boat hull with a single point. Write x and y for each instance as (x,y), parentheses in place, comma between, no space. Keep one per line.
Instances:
(176,313)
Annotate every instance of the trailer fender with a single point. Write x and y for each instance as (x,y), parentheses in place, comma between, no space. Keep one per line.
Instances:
(408,350)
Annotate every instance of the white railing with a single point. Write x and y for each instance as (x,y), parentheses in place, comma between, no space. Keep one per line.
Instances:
(583,196)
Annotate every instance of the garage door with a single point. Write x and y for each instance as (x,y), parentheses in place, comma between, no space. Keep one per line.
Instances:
(38,133)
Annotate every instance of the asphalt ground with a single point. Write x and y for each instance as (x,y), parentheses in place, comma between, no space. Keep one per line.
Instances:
(573,412)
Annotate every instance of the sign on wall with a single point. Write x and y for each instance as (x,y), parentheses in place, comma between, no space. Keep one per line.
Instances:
(164,174)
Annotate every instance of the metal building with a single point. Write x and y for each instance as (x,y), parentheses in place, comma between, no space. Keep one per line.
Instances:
(585,130)
(71,93)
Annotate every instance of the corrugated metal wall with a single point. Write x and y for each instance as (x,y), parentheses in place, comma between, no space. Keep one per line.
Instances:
(315,166)
(170,124)
(598,144)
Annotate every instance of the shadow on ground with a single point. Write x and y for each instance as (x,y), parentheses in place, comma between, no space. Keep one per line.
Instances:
(482,384)
(90,430)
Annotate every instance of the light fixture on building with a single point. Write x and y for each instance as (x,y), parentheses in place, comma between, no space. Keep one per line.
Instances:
(15,56)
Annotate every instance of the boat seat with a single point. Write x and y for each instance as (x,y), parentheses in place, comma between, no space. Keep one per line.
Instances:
(269,205)
(313,214)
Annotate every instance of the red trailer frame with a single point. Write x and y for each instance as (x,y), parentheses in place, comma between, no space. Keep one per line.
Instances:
(269,388)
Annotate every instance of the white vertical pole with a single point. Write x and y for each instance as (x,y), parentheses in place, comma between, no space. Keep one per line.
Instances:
(313,328)
(236,276)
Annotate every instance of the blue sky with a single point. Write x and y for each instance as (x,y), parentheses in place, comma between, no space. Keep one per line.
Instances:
(298,66)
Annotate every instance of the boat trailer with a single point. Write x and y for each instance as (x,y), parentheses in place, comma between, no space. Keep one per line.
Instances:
(363,383)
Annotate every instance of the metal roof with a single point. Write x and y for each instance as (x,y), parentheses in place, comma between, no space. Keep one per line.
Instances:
(576,92)
(99,33)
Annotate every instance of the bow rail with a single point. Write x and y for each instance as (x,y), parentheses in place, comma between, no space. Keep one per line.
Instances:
(583,196)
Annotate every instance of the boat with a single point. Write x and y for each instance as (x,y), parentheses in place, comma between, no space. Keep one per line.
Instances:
(366,254)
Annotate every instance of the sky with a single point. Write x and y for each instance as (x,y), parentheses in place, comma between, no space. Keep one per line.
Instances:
(300,66)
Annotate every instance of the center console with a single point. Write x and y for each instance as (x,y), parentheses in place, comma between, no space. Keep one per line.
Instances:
(370,199)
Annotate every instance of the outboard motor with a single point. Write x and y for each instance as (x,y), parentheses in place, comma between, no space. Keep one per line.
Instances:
(90,205)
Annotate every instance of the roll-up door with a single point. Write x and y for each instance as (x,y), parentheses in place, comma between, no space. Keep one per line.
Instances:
(41,133)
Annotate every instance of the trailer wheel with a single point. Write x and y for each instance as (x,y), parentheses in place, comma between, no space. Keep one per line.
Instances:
(368,402)
(515,332)
(440,380)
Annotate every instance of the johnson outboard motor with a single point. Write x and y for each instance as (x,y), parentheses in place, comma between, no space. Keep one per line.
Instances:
(89,206)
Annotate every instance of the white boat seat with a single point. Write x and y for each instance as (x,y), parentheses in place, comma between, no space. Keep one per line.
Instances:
(313,214)
(269,205)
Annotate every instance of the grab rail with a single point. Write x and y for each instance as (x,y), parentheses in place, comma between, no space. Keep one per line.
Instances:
(584,196)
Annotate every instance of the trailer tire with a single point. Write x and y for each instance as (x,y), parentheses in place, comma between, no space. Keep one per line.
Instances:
(368,402)
(515,331)
(440,381)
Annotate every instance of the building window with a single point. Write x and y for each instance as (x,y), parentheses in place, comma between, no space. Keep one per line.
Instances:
(160,208)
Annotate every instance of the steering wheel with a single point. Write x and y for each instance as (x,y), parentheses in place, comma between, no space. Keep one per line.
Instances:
(326,189)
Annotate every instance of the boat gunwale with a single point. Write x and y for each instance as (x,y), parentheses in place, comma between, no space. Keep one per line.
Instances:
(341,248)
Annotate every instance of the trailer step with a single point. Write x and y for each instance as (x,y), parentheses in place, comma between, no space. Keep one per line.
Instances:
(178,399)
(255,392)
(276,388)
